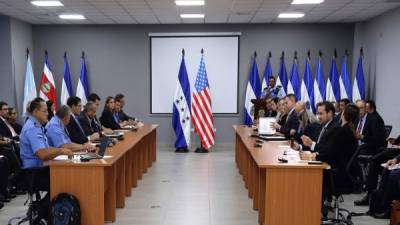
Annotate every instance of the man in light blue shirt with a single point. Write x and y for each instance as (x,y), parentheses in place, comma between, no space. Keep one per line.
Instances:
(272,91)
(34,146)
(35,149)
(57,132)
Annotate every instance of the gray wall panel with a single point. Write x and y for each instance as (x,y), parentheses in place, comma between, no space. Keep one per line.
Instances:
(118,58)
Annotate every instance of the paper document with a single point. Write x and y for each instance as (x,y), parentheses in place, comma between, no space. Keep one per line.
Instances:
(61,158)
(394,167)
(265,125)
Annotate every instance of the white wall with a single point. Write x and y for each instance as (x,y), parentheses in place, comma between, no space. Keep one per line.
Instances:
(381,40)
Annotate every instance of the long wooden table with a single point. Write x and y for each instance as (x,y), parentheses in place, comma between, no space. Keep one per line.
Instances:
(283,193)
(101,185)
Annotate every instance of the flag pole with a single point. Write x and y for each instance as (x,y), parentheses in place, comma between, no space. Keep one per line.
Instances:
(27,52)
(201,149)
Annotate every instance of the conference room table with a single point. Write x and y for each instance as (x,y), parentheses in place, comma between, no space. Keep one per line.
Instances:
(283,193)
(101,185)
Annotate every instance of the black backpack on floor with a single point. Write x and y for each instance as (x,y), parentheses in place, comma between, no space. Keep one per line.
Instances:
(65,210)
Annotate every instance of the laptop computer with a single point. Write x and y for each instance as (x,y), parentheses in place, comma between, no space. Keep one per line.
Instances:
(100,154)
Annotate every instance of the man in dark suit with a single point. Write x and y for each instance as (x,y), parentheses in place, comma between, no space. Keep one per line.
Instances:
(6,130)
(291,120)
(75,129)
(370,130)
(95,98)
(370,107)
(120,101)
(325,113)
(87,119)
(342,104)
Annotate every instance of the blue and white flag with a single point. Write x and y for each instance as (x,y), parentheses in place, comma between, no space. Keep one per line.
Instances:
(359,82)
(307,90)
(252,92)
(82,90)
(181,109)
(282,80)
(332,85)
(295,81)
(30,91)
(319,83)
(344,81)
(66,87)
(267,75)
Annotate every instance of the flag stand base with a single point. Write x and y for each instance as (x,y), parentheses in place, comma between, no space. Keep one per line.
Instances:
(181,150)
(201,150)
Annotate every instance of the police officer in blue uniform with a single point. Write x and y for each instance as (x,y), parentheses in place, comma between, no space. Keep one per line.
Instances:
(57,133)
(35,150)
(272,91)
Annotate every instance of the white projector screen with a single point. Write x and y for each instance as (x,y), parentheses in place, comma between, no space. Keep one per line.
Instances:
(221,57)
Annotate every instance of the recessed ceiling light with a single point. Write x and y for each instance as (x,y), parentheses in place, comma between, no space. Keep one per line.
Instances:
(72,17)
(189,2)
(300,2)
(290,15)
(47,3)
(192,16)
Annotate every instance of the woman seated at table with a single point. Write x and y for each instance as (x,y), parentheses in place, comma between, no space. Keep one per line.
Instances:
(108,118)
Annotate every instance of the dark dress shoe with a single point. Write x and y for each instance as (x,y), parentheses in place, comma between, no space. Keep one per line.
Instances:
(384,215)
(363,201)
(4,199)
(1,205)
(9,195)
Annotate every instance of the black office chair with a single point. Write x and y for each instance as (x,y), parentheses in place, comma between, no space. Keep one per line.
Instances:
(338,192)
(34,197)
(364,160)
(388,130)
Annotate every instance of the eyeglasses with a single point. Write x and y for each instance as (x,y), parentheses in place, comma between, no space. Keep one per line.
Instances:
(4,109)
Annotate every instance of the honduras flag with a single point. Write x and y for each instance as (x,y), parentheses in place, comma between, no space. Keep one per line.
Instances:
(332,85)
(294,78)
(181,109)
(282,76)
(252,92)
(267,75)
(359,83)
(82,91)
(319,83)
(344,81)
(29,86)
(307,90)
(66,88)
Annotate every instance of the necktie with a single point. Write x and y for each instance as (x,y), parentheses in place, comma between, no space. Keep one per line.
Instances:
(320,134)
(79,125)
(66,131)
(360,124)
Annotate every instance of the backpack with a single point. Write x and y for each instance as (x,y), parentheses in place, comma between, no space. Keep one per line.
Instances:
(65,210)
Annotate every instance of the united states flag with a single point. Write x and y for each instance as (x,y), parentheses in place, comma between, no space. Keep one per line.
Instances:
(201,108)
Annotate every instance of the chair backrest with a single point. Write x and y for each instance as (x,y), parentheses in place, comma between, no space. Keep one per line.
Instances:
(388,130)
(351,163)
